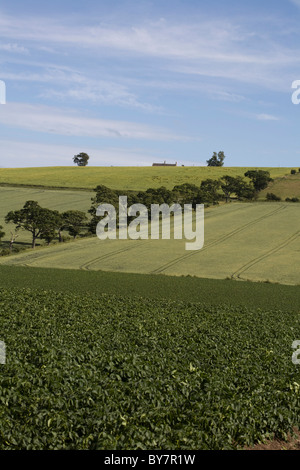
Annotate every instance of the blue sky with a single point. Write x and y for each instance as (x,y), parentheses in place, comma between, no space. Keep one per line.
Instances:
(133,82)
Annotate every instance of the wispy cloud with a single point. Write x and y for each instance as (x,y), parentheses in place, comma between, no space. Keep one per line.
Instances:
(59,121)
(216,48)
(84,89)
(267,117)
(14,48)
(65,84)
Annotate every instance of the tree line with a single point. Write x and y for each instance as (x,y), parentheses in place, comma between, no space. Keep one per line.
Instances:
(209,192)
(46,224)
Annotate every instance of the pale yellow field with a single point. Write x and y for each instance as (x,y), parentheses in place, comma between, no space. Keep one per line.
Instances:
(254,241)
(123,178)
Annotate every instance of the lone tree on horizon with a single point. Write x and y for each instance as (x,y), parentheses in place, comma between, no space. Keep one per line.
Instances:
(216,159)
(81,159)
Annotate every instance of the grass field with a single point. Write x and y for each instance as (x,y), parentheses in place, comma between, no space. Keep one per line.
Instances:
(12,198)
(247,241)
(285,186)
(123,178)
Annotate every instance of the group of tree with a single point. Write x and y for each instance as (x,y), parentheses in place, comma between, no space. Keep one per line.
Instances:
(46,224)
(210,191)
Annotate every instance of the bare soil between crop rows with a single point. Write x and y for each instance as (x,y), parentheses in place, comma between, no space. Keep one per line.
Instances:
(292,443)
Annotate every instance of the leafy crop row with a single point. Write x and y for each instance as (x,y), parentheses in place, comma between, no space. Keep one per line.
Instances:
(266,296)
(127,373)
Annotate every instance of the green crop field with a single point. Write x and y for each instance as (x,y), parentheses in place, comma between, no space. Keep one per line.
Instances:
(254,295)
(247,241)
(121,373)
(124,178)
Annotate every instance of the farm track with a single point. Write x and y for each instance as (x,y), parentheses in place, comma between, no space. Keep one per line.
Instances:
(37,255)
(253,262)
(217,242)
(86,266)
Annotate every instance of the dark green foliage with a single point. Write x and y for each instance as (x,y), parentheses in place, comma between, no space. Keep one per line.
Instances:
(235,185)
(272,197)
(182,194)
(208,192)
(293,172)
(123,373)
(160,195)
(182,288)
(74,222)
(40,222)
(185,193)
(106,195)
(259,178)
(216,159)
(292,199)
(81,159)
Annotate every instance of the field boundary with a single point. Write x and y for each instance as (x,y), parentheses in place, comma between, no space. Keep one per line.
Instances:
(159,286)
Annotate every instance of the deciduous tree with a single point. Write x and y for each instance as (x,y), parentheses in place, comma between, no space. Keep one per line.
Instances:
(40,222)
(81,159)
(216,159)
(259,178)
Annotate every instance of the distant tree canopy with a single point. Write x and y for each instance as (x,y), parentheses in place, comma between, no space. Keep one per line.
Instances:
(1,233)
(105,195)
(259,178)
(44,223)
(35,219)
(49,224)
(216,159)
(209,192)
(81,159)
(238,186)
(74,222)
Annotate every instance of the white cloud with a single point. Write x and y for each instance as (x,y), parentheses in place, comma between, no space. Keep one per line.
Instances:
(208,47)
(104,92)
(67,84)
(267,117)
(13,48)
(71,123)
(209,40)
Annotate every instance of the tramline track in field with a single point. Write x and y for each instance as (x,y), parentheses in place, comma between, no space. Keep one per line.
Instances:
(253,262)
(217,242)
(87,265)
